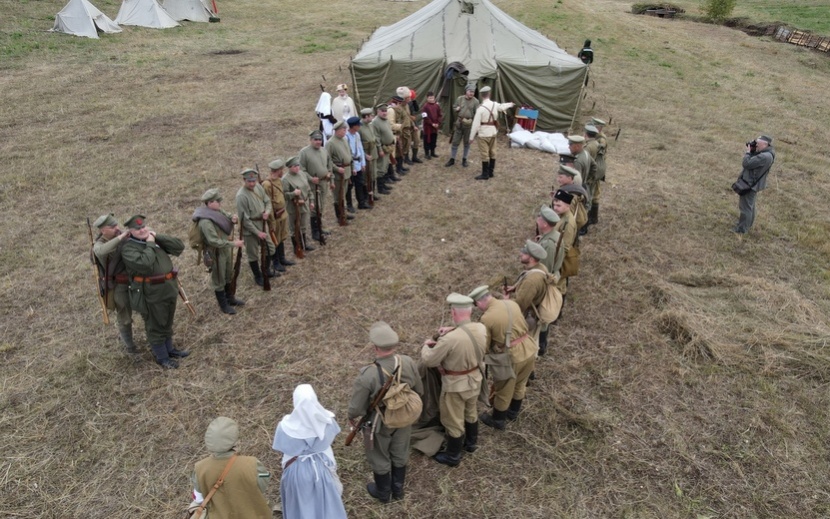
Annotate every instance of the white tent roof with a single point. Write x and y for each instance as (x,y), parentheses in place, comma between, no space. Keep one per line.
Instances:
(145,13)
(81,18)
(193,10)
(478,39)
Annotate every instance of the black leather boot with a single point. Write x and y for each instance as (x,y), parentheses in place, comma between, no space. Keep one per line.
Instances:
(315,229)
(452,456)
(593,215)
(281,253)
(400,169)
(485,171)
(381,489)
(407,160)
(398,479)
(513,411)
(173,352)
(307,246)
(492,167)
(257,273)
(543,343)
(268,268)
(415,158)
(470,436)
(464,163)
(495,420)
(126,334)
(162,358)
(275,262)
(232,300)
(434,156)
(222,299)
(450,163)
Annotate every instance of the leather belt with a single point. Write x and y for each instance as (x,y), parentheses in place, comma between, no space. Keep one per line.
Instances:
(288,464)
(121,279)
(450,372)
(157,279)
(519,340)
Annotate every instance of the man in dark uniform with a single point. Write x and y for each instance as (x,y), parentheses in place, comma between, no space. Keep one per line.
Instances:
(113,274)
(153,286)
(388,454)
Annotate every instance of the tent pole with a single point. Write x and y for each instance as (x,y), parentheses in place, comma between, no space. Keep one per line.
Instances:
(578,101)
(501,92)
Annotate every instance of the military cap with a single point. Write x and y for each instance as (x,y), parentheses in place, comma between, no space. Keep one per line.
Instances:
(534,250)
(382,107)
(277,164)
(590,128)
(136,222)
(316,134)
(567,170)
(397,99)
(211,194)
(549,214)
(765,138)
(484,90)
(479,292)
(403,92)
(221,435)
(576,139)
(597,122)
(457,300)
(339,124)
(353,121)
(293,161)
(563,196)
(105,220)
(470,86)
(366,111)
(566,157)
(342,86)
(383,336)
(249,174)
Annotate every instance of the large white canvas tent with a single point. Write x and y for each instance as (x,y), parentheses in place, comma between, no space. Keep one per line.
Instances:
(145,13)
(193,10)
(81,18)
(518,63)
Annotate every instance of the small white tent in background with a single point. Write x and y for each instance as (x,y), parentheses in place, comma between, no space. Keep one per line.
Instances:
(81,18)
(145,13)
(193,10)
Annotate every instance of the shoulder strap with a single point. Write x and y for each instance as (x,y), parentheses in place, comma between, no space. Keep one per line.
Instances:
(508,335)
(216,486)
(472,339)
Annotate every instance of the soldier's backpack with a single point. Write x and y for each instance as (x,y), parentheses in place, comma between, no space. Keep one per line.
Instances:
(197,243)
(579,212)
(401,405)
(548,310)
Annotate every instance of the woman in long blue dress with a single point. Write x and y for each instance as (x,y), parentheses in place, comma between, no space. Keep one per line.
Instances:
(309,488)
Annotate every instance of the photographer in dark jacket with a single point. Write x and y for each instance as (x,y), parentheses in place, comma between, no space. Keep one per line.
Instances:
(757,162)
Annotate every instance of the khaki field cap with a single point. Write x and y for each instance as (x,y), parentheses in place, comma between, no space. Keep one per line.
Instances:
(470,88)
(293,161)
(221,435)
(382,107)
(597,122)
(534,250)
(484,90)
(316,134)
(366,111)
(211,194)
(249,174)
(590,128)
(549,215)
(766,139)
(342,86)
(105,220)
(479,292)
(276,164)
(338,125)
(136,222)
(457,300)
(383,336)
(403,92)
(567,170)
(576,139)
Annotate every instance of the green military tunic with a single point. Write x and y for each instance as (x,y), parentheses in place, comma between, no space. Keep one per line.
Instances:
(500,316)
(220,247)
(391,446)
(113,274)
(553,261)
(457,354)
(291,182)
(386,142)
(465,112)
(602,149)
(278,224)
(567,227)
(587,167)
(155,301)
(341,157)
(318,164)
(250,204)
(370,147)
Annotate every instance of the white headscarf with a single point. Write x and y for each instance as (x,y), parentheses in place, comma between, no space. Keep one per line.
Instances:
(308,419)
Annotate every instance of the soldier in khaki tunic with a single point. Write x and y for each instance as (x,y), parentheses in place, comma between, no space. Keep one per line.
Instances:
(386,146)
(458,354)
(341,156)
(397,116)
(485,127)
(567,228)
(587,167)
(278,223)
(506,331)
(531,286)
(113,275)
(602,150)
(253,208)
(153,286)
(549,240)
(465,110)
(596,149)
(388,453)
(243,492)
(216,226)
(403,116)
(316,161)
(298,198)
(370,146)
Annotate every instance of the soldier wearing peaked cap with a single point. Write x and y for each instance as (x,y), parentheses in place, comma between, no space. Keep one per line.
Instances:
(341,156)
(465,107)
(532,285)
(298,197)
(458,354)
(278,223)
(370,149)
(316,161)
(216,226)
(153,286)
(506,332)
(388,453)
(569,239)
(254,209)
(549,240)
(587,167)
(595,146)
(386,147)
(566,179)
(486,128)
(113,275)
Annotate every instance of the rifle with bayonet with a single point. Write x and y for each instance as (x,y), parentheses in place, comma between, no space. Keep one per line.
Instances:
(367,418)
(100,287)
(237,264)
(319,212)
(299,246)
